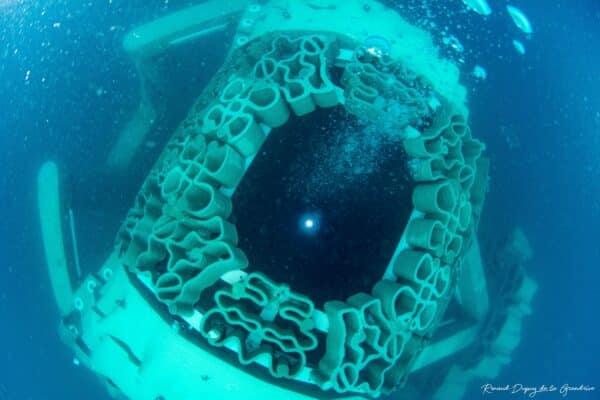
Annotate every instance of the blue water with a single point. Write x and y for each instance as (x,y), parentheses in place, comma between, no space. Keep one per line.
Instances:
(66,87)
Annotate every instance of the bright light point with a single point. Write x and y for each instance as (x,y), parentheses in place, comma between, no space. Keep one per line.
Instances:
(309,224)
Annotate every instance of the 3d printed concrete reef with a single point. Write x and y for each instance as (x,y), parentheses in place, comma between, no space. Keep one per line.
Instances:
(180,311)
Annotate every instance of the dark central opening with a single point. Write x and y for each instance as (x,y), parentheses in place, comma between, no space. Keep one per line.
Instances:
(324,203)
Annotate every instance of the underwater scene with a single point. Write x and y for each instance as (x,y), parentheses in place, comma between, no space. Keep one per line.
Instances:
(300,199)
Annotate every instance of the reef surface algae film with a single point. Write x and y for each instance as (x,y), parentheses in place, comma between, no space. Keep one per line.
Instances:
(299,199)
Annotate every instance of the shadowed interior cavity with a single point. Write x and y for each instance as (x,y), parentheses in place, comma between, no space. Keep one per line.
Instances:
(324,203)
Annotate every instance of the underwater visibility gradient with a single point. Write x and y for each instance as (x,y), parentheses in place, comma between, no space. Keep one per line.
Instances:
(300,199)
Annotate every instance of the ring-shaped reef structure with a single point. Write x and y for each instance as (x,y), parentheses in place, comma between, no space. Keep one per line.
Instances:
(180,241)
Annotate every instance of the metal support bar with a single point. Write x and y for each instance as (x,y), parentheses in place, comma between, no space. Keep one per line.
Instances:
(52,236)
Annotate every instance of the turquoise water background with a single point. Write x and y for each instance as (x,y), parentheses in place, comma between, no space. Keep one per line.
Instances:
(66,87)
